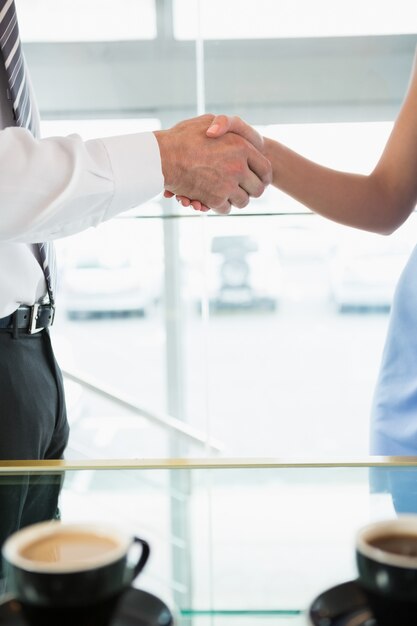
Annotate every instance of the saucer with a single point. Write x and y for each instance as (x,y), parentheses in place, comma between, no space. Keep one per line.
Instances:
(137,608)
(343,605)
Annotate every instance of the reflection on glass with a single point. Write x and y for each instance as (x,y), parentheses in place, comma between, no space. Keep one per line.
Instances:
(232,543)
(264,19)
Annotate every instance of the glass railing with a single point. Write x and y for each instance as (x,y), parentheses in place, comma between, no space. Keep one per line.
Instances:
(246,316)
(233,541)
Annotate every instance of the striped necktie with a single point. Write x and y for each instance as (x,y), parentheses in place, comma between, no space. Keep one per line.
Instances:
(24,108)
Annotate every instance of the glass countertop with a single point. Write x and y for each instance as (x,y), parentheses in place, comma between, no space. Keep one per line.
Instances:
(232,541)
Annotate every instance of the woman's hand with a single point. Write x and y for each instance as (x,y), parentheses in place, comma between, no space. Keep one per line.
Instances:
(220,125)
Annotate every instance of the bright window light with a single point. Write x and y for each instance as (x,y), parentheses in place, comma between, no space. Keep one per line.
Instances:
(86,20)
(351,146)
(263,19)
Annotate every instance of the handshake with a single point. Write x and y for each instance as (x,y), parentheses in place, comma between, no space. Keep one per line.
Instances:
(213,162)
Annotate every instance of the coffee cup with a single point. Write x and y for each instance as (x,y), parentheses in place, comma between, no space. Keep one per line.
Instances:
(386,556)
(71,573)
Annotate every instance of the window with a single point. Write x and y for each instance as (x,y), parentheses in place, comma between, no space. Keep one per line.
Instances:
(86,20)
(216,19)
(236,335)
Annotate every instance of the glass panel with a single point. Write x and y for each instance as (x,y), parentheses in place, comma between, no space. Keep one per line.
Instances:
(86,20)
(293,295)
(263,19)
(235,325)
(303,303)
(250,543)
(298,316)
(110,326)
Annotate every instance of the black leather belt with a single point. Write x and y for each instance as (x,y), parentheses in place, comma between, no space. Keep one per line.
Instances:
(31,319)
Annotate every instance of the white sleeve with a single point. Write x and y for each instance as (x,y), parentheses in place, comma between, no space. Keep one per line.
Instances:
(53,187)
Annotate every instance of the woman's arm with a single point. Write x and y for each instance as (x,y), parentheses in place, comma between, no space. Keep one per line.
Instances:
(379,202)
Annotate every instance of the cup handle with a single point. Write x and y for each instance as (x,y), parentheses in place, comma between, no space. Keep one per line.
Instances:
(143,557)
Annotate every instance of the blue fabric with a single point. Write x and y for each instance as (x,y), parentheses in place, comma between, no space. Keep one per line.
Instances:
(394,410)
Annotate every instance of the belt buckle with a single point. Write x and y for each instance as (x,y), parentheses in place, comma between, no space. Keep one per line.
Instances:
(33,319)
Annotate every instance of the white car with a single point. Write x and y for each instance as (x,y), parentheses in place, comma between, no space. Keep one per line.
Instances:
(365,271)
(98,284)
(245,274)
(109,271)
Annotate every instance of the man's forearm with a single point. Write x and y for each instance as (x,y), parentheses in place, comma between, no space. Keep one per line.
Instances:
(59,186)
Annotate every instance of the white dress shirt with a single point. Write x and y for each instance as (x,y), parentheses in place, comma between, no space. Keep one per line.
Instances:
(54,187)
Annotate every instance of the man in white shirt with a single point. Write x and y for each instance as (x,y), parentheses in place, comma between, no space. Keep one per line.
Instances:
(58,186)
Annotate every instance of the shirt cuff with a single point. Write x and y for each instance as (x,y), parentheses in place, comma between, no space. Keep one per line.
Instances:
(135,162)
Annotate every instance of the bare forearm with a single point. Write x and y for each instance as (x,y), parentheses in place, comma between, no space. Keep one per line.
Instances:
(351,199)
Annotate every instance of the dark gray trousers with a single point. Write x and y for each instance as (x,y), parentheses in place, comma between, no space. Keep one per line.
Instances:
(33,425)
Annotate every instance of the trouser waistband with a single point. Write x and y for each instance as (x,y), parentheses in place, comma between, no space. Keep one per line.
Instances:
(30,319)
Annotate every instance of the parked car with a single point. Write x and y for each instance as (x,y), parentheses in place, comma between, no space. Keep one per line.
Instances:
(245,275)
(364,272)
(303,238)
(102,276)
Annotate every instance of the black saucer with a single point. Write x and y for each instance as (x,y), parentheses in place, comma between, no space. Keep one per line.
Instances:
(137,608)
(343,605)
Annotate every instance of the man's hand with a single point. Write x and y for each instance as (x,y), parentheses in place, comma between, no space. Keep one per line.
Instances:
(219,173)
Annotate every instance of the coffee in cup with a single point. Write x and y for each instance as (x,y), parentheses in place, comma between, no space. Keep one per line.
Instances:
(386,556)
(72,572)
